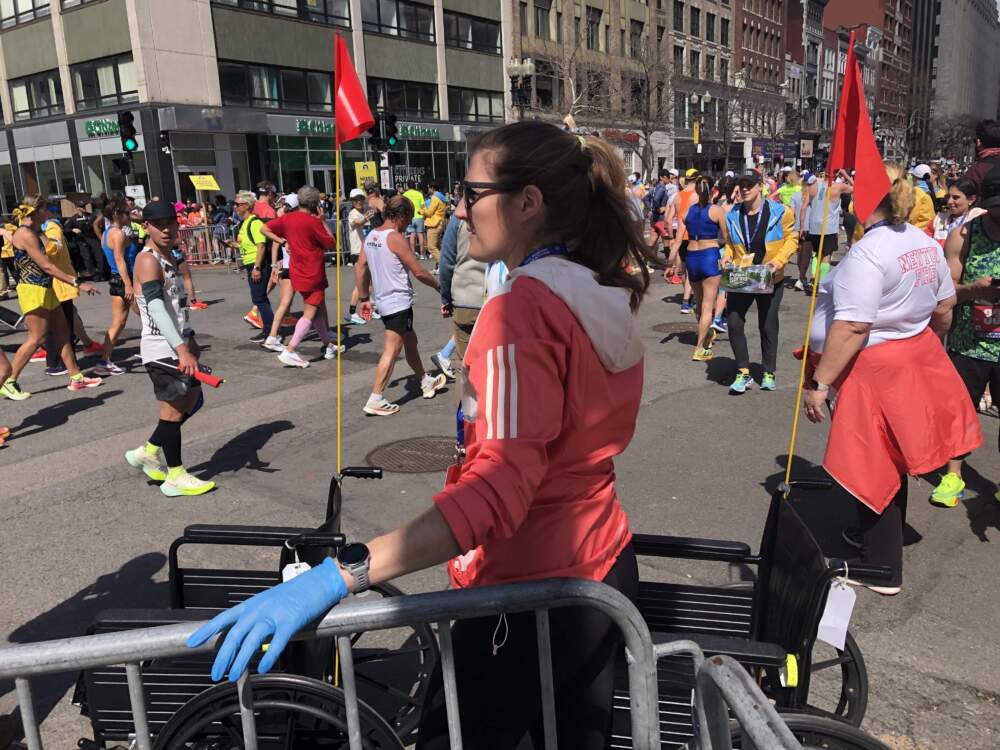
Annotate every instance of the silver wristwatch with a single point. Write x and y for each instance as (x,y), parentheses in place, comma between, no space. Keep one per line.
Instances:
(355,558)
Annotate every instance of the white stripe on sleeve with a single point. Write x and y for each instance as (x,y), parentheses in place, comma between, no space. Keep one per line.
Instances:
(512,363)
(501,394)
(489,394)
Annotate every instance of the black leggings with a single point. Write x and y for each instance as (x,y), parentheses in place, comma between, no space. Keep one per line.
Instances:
(53,354)
(738,306)
(883,533)
(499,696)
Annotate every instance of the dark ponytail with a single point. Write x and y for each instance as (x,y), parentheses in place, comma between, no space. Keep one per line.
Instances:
(582,180)
(703,187)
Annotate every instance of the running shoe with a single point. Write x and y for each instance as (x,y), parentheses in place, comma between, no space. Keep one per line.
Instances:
(799,286)
(742,382)
(375,315)
(292,359)
(39,355)
(106,368)
(949,491)
(4,434)
(10,389)
(57,370)
(720,325)
(676,279)
(430,385)
(185,485)
(151,464)
(82,383)
(253,318)
(686,308)
(258,338)
(702,355)
(357,319)
(767,383)
(330,350)
(443,365)
(883,590)
(93,348)
(197,304)
(289,320)
(380,408)
(274,344)
(710,338)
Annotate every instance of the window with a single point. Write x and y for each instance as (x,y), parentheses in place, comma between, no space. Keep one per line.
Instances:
(559,31)
(678,16)
(695,22)
(695,64)
(542,8)
(474,105)
(398,18)
(469,32)
(593,27)
(724,32)
(105,82)
(13,12)
(39,95)
(546,85)
(523,18)
(332,12)
(576,30)
(710,27)
(404,98)
(724,70)
(678,60)
(660,31)
(635,38)
(710,67)
(74,3)
(275,88)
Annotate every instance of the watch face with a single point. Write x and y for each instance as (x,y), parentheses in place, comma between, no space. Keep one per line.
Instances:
(353,554)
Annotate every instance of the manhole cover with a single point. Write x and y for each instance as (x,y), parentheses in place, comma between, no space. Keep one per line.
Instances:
(419,455)
(676,328)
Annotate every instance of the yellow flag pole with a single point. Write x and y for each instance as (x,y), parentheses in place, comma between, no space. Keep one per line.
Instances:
(339,316)
(805,345)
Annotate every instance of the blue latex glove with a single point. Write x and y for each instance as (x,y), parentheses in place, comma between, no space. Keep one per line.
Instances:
(279,612)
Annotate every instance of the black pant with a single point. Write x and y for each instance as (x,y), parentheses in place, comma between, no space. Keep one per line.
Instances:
(499,695)
(53,354)
(258,295)
(94,263)
(883,533)
(977,374)
(738,305)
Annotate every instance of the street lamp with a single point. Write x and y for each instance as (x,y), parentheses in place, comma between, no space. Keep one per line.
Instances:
(520,72)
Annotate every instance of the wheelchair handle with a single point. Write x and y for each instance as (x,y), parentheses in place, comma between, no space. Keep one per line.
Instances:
(873,573)
(317,539)
(362,472)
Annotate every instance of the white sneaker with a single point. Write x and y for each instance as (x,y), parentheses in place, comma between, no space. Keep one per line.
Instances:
(185,484)
(380,408)
(291,359)
(431,385)
(799,286)
(356,319)
(274,344)
(330,350)
(443,365)
(151,465)
(375,315)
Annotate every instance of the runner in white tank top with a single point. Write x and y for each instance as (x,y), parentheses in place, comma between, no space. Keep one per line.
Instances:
(153,344)
(386,261)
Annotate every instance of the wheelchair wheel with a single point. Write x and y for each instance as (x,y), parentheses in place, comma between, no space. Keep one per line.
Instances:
(292,712)
(393,668)
(838,682)
(822,733)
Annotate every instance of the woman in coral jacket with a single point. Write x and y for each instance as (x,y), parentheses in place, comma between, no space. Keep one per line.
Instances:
(552,381)
(899,406)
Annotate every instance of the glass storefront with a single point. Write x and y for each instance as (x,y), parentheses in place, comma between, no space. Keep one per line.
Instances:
(101,177)
(48,177)
(8,193)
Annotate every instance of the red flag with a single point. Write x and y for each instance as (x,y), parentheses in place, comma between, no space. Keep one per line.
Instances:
(854,144)
(351,109)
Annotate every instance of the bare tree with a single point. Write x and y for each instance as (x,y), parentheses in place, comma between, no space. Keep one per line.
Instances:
(578,90)
(647,94)
(953,135)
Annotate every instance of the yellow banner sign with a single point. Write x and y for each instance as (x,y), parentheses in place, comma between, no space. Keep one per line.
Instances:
(365,170)
(696,131)
(203,182)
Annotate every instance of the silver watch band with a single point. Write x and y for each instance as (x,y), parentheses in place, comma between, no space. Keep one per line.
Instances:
(360,575)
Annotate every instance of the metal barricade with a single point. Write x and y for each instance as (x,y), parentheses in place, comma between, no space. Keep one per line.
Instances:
(206,244)
(21,662)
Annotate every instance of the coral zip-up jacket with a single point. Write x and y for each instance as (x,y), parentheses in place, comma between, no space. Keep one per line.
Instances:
(551,388)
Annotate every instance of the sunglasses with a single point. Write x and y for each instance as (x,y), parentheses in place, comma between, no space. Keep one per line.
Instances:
(473,191)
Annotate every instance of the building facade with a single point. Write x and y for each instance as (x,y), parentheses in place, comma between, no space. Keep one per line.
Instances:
(967,60)
(241,89)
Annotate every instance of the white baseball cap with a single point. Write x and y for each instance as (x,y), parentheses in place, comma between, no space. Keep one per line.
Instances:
(357,193)
(921,171)
(674,173)
(786,168)
(291,200)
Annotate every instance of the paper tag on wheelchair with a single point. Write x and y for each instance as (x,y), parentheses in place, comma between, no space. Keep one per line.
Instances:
(293,569)
(837,614)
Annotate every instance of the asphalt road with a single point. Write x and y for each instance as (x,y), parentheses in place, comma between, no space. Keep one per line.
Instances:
(83,532)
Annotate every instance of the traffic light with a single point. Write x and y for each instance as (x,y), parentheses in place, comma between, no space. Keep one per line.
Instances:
(165,142)
(375,134)
(391,131)
(123,165)
(127,132)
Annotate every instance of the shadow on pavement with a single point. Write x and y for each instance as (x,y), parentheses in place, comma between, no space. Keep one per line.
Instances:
(983,509)
(57,415)
(131,586)
(241,452)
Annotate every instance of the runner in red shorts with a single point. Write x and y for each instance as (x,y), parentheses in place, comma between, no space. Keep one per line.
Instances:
(307,238)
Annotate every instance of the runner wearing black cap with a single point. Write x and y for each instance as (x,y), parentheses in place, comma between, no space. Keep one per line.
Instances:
(169,352)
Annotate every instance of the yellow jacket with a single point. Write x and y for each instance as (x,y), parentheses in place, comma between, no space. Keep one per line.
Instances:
(8,247)
(923,210)
(434,214)
(58,252)
(780,238)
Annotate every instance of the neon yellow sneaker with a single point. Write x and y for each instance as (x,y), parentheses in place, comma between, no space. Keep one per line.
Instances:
(702,355)
(949,491)
(184,484)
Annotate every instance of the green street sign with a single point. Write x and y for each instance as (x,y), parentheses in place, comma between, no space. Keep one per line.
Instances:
(419,131)
(100,128)
(314,127)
